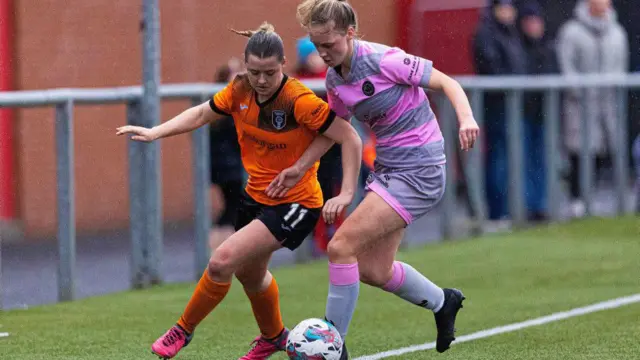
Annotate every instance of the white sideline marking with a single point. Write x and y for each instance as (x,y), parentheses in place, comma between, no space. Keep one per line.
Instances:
(4,335)
(605,305)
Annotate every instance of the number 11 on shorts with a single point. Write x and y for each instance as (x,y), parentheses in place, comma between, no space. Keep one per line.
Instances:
(292,211)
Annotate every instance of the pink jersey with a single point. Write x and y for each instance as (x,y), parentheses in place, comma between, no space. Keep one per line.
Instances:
(385,90)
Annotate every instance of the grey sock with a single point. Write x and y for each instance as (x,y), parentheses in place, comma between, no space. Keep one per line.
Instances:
(344,287)
(413,287)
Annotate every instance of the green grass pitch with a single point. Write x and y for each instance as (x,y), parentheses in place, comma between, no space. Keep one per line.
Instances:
(506,278)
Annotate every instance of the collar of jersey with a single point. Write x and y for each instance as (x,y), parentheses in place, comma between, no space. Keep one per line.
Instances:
(338,68)
(275,94)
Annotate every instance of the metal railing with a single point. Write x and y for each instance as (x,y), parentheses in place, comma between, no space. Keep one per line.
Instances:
(552,87)
(145,260)
(145,252)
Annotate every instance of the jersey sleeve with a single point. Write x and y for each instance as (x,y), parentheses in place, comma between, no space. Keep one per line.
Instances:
(312,112)
(222,102)
(336,104)
(402,68)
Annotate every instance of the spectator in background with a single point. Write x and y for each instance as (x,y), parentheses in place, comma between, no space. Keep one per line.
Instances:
(227,172)
(498,50)
(592,42)
(311,66)
(541,59)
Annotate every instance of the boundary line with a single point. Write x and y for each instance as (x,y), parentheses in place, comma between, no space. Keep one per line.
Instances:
(601,306)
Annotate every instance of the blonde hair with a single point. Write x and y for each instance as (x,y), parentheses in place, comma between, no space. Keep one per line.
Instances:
(321,12)
(263,42)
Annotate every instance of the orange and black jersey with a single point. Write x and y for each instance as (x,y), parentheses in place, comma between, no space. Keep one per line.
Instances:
(274,134)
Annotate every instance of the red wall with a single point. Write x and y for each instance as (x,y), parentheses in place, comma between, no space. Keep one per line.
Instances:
(440,31)
(7,189)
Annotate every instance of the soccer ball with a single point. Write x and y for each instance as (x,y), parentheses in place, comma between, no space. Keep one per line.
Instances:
(314,339)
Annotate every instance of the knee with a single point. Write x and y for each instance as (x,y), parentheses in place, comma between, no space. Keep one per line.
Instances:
(221,264)
(377,276)
(340,247)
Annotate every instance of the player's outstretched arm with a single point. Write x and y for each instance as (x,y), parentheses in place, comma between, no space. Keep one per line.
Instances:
(344,134)
(468,127)
(188,120)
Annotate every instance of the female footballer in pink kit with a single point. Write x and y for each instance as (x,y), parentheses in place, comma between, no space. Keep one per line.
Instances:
(383,87)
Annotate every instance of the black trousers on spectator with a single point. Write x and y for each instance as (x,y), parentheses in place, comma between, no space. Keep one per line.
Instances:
(601,162)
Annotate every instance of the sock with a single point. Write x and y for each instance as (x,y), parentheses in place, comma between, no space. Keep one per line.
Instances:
(344,286)
(413,287)
(266,310)
(207,295)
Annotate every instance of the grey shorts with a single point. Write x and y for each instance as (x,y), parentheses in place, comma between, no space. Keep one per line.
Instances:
(410,192)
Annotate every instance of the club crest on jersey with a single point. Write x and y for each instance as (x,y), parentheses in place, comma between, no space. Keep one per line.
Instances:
(278,119)
(368,88)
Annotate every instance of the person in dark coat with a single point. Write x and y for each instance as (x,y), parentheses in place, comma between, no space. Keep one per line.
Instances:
(541,60)
(497,50)
(227,172)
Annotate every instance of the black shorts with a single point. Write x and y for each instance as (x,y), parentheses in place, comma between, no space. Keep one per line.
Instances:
(289,223)
(232,193)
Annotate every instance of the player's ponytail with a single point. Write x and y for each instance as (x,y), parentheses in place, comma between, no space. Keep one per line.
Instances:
(321,12)
(263,42)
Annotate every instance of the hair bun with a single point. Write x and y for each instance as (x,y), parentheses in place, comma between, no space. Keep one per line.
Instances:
(266,27)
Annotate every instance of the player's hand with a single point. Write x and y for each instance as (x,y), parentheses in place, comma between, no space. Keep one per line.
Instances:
(139,133)
(335,206)
(468,134)
(285,180)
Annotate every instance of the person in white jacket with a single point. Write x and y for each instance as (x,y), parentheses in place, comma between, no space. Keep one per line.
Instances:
(592,42)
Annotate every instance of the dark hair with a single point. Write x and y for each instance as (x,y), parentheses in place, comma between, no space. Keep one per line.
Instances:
(321,12)
(263,43)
